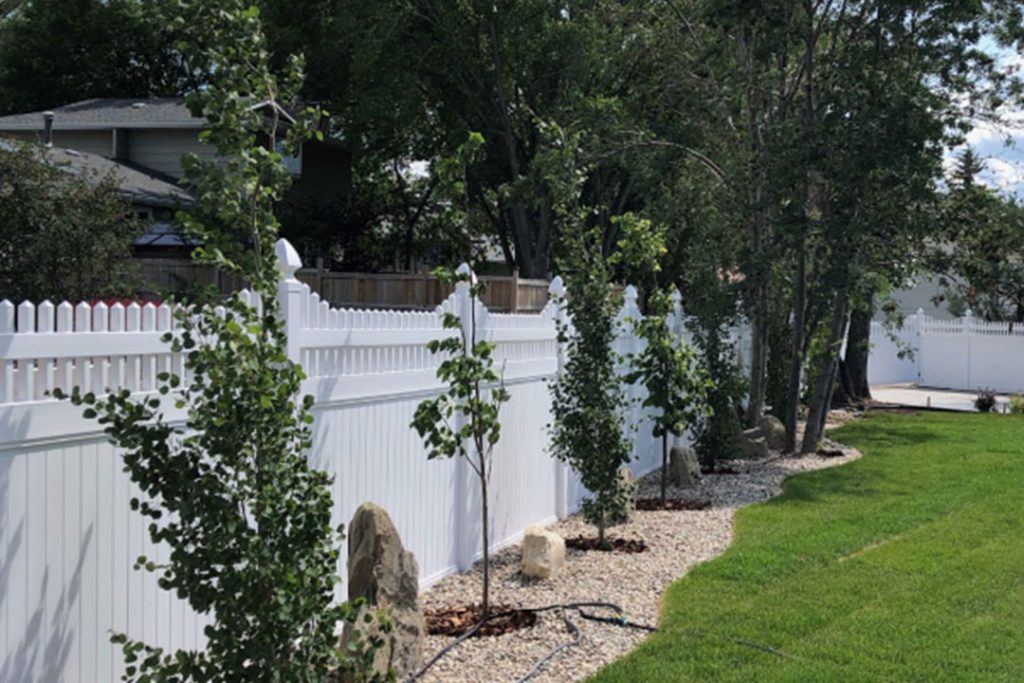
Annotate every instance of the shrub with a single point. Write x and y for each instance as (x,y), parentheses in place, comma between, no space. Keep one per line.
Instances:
(986,400)
(1017,404)
(717,432)
(64,234)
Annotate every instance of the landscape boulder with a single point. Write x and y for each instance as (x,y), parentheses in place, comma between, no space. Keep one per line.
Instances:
(684,468)
(773,431)
(385,574)
(754,445)
(543,553)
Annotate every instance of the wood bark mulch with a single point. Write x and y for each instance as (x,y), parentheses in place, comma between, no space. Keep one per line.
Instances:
(455,621)
(614,545)
(648,504)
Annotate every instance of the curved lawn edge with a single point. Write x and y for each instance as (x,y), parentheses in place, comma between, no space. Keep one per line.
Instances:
(858,573)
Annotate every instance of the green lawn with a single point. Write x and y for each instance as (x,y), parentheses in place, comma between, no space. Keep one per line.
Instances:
(907,565)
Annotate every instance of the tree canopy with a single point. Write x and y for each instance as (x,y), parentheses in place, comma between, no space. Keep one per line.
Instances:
(794,150)
(55,52)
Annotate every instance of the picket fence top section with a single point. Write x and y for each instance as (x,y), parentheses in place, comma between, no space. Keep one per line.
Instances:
(100,346)
(967,324)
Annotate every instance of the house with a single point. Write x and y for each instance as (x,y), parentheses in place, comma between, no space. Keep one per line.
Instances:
(150,136)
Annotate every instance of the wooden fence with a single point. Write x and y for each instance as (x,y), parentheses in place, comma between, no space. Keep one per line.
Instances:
(401,291)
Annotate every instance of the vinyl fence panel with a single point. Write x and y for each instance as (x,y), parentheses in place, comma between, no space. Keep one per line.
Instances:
(68,538)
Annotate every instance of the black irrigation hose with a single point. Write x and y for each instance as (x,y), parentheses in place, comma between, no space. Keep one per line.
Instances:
(622,621)
(618,621)
(576,638)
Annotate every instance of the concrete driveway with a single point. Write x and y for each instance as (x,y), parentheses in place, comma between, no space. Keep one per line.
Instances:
(924,397)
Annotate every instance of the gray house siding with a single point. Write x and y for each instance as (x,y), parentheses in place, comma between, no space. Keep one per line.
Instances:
(161,150)
(99,142)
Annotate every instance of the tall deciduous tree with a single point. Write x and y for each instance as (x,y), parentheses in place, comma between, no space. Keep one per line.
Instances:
(54,52)
(505,69)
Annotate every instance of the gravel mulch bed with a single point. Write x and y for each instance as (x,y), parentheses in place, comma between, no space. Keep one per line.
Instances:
(676,539)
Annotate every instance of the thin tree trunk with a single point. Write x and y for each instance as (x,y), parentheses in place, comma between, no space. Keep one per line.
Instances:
(757,227)
(758,356)
(796,352)
(842,393)
(487,541)
(821,398)
(664,467)
(813,214)
(858,351)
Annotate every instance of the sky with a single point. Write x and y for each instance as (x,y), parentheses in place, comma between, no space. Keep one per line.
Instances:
(1001,147)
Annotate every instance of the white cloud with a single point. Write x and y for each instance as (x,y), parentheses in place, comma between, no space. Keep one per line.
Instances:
(982,133)
(1005,175)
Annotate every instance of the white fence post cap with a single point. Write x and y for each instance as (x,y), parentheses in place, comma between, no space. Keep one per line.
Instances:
(287,257)
(464,269)
(557,287)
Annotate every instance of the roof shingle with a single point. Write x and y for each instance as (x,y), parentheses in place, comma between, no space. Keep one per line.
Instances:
(161,112)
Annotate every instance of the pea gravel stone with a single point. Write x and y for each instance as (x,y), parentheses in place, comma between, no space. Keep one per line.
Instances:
(677,540)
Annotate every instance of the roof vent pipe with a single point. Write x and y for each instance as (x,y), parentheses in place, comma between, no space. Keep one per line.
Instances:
(48,128)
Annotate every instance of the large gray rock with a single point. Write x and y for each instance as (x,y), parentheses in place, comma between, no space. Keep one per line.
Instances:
(385,574)
(753,444)
(773,430)
(543,553)
(684,467)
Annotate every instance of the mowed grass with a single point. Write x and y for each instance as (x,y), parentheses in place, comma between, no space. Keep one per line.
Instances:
(907,565)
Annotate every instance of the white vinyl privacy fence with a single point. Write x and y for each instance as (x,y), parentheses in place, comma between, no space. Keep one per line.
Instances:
(68,538)
(963,353)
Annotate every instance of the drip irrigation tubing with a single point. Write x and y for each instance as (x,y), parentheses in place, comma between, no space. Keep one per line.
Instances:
(539,664)
(619,620)
(577,636)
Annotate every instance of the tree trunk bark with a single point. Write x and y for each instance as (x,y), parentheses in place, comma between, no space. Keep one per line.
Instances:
(758,357)
(842,394)
(796,352)
(821,399)
(664,467)
(858,351)
(486,607)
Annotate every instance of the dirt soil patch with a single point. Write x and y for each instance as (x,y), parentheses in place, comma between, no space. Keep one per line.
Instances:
(718,468)
(458,620)
(648,504)
(612,545)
